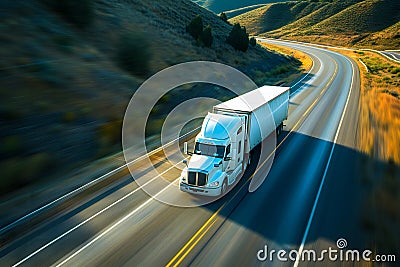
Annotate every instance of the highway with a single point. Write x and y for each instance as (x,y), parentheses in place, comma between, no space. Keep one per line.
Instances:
(302,203)
(394,55)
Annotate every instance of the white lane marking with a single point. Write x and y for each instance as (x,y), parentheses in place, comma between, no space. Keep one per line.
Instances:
(390,56)
(92,217)
(325,171)
(308,73)
(104,176)
(365,66)
(114,225)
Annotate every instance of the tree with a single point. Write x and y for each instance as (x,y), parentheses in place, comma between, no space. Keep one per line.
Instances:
(223,16)
(195,27)
(133,54)
(253,41)
(78,12)
(206,36)
(238,38)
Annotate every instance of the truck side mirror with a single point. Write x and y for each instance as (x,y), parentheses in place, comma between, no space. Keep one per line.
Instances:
(216,165)
(185,148)
(185,162)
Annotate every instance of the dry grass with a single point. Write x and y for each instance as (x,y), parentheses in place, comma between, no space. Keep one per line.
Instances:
(306,62)
(379,128)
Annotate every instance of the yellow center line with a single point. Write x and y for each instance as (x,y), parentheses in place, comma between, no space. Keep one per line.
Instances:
(188,247)
(194,237)
(194,244)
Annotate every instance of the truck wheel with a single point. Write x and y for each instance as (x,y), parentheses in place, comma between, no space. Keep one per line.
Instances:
(224,187)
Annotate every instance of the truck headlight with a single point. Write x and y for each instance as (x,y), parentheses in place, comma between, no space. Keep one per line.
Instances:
(214,184)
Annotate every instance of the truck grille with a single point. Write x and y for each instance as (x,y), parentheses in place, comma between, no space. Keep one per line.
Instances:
(197,178)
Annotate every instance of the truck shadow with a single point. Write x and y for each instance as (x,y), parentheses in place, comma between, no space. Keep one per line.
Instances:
(358,200)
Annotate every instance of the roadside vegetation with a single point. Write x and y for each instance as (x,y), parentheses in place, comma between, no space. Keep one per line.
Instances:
(78,12)
(238,38)
(203,36)
(134,54)
(305,61)
(380,106)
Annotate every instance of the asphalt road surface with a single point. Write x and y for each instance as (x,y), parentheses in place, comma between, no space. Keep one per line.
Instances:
(392,54)
(299,205)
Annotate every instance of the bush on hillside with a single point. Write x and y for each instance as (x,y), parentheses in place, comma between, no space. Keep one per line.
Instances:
(133,54)
(78,12)
(206,36)
(195,27)
(238,38)
(253,41)
(223,16)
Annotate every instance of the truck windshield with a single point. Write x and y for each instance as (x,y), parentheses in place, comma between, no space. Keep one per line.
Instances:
(209,150)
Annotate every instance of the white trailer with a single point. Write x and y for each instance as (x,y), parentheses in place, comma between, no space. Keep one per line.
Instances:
(227,136)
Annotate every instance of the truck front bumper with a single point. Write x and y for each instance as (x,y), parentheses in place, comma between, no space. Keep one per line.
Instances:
(204,191)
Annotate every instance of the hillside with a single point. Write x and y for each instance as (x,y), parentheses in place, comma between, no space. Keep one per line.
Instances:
(275,16)
(348,23)
(321,12)
(236,12)
(219,6)
(64,90)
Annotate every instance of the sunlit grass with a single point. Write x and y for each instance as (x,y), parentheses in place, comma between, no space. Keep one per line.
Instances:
(306,62)
(379,126)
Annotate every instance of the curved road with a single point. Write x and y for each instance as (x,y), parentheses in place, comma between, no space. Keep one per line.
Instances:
(123,226)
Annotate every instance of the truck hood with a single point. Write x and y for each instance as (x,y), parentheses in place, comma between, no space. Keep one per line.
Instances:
(201,162)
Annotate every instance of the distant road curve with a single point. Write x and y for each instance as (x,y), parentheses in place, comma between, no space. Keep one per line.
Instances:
(395,55)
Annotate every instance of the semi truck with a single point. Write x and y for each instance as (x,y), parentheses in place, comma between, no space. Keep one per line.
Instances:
(228,134)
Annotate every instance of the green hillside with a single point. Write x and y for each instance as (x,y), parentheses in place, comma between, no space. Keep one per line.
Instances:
(364,17)
(321,13)
(236,12)
(348,23)
(274,16)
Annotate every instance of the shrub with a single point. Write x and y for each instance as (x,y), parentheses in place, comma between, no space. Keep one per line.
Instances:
(110,132)
(69,116)
(19,171)
(195,27)
(238,38)
(133,54)
(78,12)
(253,41)
(395,70)
(206,36)
(11,145)
(223,17)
